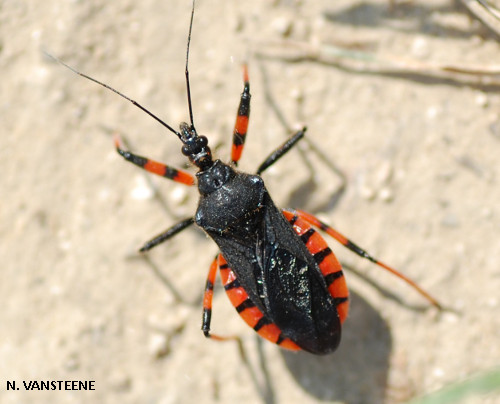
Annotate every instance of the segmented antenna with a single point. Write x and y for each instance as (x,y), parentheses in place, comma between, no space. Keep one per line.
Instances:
(162,122)
(188,88)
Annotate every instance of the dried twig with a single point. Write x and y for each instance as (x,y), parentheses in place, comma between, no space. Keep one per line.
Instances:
(343,56)
(485,12)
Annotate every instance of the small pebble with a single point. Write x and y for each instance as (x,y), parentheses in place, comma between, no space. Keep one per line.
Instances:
(386,194)
(367,193)
(420,47)
(384,173)
(178,194)
(141,191)
(482,100)
(159,345)
(282,25)
(120,381)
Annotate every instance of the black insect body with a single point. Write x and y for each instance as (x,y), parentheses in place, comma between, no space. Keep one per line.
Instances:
(277,271)
(270,261)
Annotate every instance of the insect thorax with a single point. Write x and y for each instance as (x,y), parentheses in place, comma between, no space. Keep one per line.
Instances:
(227,197)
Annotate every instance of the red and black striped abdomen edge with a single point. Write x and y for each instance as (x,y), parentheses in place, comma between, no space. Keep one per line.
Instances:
(328,264)
(326,260)
(248,311)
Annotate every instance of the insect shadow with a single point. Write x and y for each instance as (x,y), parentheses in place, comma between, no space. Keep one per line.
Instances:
(357,371)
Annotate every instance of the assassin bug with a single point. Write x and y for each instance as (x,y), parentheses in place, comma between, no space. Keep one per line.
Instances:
(277,270)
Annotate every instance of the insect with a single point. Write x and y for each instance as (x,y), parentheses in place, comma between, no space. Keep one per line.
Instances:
(277,270)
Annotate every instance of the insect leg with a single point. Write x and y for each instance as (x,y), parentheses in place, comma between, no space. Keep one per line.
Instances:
(362,253)
(169,233)
(241,125)
(153,166)
(207,298)
(207,303)
(281,151)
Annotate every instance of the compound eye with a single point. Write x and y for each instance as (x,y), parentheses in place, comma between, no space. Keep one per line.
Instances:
(200,144)
(202,141)
(185,150)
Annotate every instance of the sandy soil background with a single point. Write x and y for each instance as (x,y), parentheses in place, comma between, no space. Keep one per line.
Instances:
(420,156)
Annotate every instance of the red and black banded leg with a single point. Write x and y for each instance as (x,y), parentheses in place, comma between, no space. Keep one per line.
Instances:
(155,167)
(207,299)
(167,234)
(362,253)
(241,125)
(207,303)
(328,264)
(281,151)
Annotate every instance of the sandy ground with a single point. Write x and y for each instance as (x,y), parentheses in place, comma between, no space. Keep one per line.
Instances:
(420,158)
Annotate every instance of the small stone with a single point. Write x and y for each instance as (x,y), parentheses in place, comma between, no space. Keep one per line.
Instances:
(384,173)
(178,194)
(282,25)
(159,345)
(120,381)
(482,100)
(141,191)
(386,194)
(432,112)
(367,193)
(420,47)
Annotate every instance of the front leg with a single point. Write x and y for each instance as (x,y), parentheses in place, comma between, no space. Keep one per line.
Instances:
(167,234)
(154,167)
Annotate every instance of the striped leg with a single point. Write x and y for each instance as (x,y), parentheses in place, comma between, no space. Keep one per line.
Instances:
(207,304)
(153,166)
(207,300)
(326,260)
(241,125)
(362,253)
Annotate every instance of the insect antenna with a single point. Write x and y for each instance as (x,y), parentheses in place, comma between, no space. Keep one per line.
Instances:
(188,87)
(162,122)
